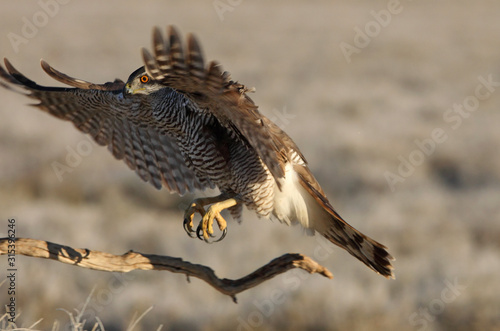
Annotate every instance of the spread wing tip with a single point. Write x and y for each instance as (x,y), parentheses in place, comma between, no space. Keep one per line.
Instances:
(14,76)
(151,64)
(7,76)
(63,78)
(173,32)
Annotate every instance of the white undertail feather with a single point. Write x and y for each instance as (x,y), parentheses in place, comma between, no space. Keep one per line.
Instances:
(289,204)
(298,202)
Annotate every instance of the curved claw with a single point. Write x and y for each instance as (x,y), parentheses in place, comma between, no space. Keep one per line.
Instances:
(223,235)
(199,234)
(188,228)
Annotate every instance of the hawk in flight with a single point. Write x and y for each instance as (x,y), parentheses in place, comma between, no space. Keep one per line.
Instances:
(185,125)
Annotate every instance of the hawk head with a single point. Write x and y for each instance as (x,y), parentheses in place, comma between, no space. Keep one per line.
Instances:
(139,82)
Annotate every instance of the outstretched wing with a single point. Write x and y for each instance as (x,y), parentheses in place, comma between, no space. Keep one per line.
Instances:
(212,90)
(102,112)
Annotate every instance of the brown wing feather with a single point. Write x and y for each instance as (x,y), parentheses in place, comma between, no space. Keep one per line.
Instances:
(79,83)
(212,90)
(282,141)
(102,112)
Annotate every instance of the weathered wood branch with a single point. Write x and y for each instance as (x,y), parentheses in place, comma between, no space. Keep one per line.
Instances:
(129,261)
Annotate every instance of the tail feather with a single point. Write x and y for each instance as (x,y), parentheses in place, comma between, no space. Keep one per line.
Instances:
(325,220)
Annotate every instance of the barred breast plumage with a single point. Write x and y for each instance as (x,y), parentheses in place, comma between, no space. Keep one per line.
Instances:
(215,153)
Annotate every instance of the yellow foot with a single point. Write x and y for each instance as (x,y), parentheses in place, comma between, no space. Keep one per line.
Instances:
(205,228)
(196,206)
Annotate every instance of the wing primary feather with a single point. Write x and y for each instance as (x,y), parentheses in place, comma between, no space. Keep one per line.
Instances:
(63,78)
(176,52)
(195,62)
(214,79)
(5,75)
(19,77)
(161,51)
(151,65)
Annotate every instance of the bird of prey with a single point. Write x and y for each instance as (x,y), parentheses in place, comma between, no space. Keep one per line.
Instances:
(185,125)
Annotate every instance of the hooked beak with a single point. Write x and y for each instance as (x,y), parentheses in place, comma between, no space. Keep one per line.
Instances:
(127,90)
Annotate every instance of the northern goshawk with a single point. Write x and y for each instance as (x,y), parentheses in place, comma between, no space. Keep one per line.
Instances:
(184,125)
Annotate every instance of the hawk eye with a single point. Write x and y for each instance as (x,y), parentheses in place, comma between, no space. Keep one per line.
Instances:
(144,79)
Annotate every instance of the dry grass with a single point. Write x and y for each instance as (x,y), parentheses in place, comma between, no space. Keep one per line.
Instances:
(352,121)
(77,322)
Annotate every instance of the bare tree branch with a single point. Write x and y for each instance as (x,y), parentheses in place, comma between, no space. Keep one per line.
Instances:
(129,261)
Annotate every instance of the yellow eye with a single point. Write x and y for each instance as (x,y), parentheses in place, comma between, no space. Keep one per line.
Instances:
(144,79)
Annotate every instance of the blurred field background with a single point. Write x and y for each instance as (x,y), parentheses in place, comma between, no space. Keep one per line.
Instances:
(354,121)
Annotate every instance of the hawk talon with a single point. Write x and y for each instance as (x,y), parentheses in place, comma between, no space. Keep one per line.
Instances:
(205,229)
(188,227)
(199,234)
(223,235)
